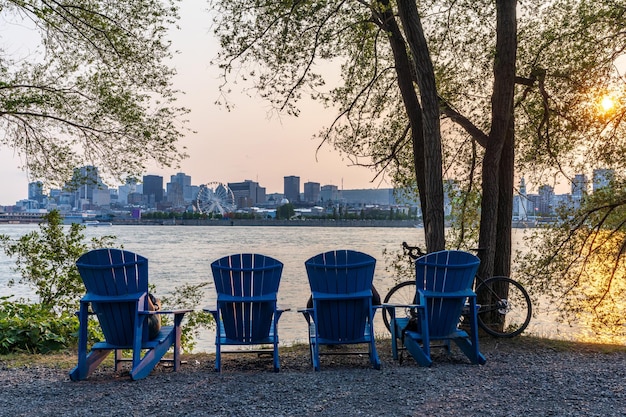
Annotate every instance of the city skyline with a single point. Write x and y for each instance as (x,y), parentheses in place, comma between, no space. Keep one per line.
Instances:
(180,190)
(562,189)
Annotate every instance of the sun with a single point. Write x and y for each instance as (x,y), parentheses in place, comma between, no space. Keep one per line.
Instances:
(607,103)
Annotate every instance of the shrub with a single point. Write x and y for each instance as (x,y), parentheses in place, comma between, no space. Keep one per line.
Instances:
(46,261)
(184,297)
(34,328)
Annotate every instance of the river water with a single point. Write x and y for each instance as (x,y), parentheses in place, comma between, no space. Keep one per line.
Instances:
(183,254)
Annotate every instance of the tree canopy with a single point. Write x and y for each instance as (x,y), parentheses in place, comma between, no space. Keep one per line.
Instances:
(565,59)
(90,86)
(518,86)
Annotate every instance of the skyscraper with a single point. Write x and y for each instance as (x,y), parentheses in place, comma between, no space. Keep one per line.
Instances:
(85,181)
(292,189)
(179,190)
(311,192)
(579,186)
(153,188)
(35,191)
(329,193)
(602,178)
(247,193)
(579,189)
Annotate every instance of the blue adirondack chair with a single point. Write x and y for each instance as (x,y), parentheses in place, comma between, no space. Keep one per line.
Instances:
(117,290)
(342,312)
(246,312)
(444,289)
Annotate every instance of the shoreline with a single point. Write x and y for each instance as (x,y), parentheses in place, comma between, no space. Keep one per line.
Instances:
(270,223)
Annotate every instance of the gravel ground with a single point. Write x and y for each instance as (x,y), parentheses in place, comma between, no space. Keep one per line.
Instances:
(524,377)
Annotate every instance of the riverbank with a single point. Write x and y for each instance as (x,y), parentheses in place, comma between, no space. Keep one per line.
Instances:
(269,222)
(523,376)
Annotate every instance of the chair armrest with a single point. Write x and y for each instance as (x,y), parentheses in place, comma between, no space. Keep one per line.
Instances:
(181,311)
(308,314)
(214,310)
(176,311)
(94,298)
(389,306)
(334,297)
(455,294)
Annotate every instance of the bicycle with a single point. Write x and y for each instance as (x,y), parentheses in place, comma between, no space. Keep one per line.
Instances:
(505,307)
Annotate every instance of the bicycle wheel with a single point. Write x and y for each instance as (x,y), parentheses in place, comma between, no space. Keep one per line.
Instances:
(404,293)
(505,307)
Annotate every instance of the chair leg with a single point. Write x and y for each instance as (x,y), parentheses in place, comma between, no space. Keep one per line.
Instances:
(469,344)
(276,359)
(88,363)
(315,354)
(218,358)
(420,353)
(118,359)
(374,359)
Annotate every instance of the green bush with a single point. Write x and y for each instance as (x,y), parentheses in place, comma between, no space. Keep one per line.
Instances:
(189,296)
(46,261)
(34,328)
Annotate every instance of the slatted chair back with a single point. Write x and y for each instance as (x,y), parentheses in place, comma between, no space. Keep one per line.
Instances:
(341,286)
(445,272)
(247,286)
(115,272)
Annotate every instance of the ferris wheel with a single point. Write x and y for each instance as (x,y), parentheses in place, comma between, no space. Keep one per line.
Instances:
(215,197)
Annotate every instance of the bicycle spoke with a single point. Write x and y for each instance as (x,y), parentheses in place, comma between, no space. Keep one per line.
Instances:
(505,308)
(402,294)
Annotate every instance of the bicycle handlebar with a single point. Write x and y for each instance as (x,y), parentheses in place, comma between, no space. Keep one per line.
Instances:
(413,252)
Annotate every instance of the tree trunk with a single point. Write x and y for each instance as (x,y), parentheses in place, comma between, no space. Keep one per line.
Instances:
(433,216)
(502,260)
(409,97)
(501,123)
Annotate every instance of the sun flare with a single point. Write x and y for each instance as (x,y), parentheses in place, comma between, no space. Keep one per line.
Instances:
(607,104)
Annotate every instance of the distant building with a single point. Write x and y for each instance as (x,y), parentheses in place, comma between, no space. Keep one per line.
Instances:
(601,178)
(579,189)
(247,193)
(180,190)
(101,198)
(273,200)
(123,191)
(85,182)
(329,193)
(380,196)
(579,185)
(35,191)
(153,189)
(292,189)
(311,192)
(546,201)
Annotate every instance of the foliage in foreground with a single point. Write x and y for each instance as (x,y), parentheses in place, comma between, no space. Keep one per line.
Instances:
(580,263)
(46,261)
(33,328)
(189,296)
(92,85)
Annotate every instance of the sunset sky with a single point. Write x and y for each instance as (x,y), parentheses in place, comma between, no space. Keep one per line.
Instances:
(247,143)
